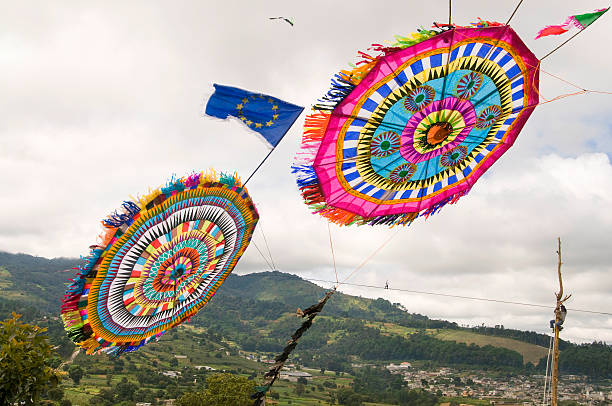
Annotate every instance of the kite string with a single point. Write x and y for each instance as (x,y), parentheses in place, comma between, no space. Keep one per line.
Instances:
(483,299)
(562,80)
(536,88)
(365,261)
(563,96)
(331,246)
(262,255)
(574,85)
(310,313)
(267,247)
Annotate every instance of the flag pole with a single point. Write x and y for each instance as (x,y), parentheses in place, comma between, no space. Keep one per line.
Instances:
(259,166)
(272,150)
(566,41)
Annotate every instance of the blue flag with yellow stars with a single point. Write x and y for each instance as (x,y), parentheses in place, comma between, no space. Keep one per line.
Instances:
(267,115)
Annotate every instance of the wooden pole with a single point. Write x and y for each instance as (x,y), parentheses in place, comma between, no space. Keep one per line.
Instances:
(560,301)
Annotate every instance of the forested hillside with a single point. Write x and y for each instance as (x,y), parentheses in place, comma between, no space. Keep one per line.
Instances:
(257,311)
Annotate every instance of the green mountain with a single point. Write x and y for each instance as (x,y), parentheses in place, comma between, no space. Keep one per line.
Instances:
(256,312)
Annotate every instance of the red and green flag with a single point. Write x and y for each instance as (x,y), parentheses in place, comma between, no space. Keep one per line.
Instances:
(580,21)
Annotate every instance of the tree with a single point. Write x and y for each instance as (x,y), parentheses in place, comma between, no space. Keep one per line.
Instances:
(75,372)
(191,399)
(24,362)
(55,394)
(300,388)
(347,397)
(222,390)
(125,390)
(104,398)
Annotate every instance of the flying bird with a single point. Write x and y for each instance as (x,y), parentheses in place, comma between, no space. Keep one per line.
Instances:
(282,18)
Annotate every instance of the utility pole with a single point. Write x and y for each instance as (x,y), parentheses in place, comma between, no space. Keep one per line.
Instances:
(560,301)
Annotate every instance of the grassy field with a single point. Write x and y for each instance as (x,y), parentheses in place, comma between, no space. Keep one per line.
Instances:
(391,328)
(530,352)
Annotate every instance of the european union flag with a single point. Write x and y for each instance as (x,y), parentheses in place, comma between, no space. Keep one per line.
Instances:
(267,115)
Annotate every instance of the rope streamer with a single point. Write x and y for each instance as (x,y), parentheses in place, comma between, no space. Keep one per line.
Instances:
(273,373)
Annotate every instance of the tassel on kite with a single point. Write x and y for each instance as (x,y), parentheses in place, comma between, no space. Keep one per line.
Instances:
(580,21)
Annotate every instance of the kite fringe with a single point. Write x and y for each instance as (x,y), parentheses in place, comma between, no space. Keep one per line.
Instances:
(340,88)
(405,41)
(73,310)
(481,24)
(115,219)
(453,199)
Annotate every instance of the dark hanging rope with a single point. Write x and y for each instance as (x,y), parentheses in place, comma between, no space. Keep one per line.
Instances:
(273,373)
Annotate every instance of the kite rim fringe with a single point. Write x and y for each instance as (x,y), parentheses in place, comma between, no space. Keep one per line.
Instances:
(80,331)
(317,121)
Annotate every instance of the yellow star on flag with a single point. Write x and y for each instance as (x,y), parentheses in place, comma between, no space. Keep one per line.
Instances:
(269,123)
(239,106)
(257,125)
(248,122)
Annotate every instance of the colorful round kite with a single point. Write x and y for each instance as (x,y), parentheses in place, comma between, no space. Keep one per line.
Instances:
(159,262)
(412,129)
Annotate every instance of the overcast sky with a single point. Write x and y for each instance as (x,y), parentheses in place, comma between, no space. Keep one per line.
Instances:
(100,101)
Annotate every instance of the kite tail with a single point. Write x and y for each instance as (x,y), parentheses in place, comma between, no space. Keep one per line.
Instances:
(273,373)
(559,29)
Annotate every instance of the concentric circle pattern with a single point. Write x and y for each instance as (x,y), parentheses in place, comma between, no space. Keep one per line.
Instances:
(469,84)
(454,156)
(457,101)
(385,144)
(402,173)
(418,98)
(160,266)
(488,117)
